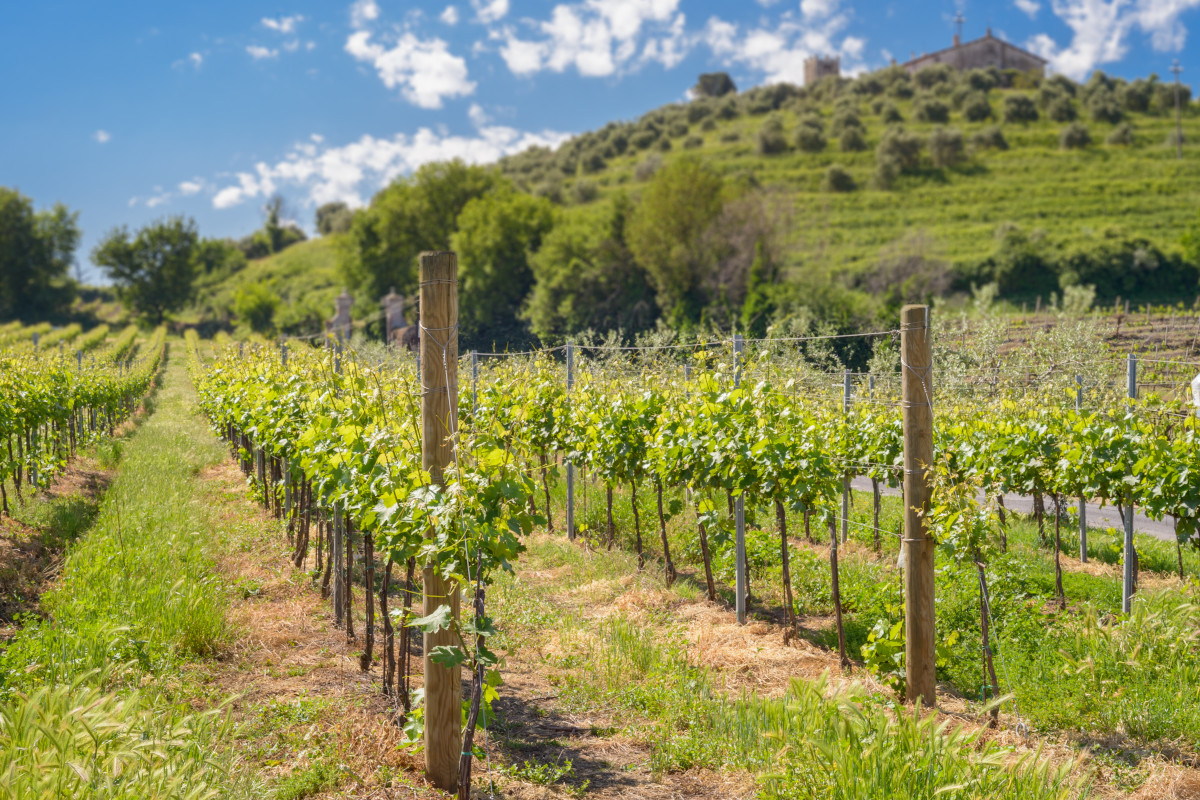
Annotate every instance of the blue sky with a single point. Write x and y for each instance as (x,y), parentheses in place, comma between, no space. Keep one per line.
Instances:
(130,111)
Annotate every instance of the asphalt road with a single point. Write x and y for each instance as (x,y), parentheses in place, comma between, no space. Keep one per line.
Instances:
(1097,517)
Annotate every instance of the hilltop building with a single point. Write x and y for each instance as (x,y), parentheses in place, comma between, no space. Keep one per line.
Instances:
(817,67)
(987,51)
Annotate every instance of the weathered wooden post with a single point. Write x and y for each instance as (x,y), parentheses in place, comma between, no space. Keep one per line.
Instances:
(570,466)
(1082,500)
(1128,553)
(917,402)
(439,394)
(845,470)
(739,512)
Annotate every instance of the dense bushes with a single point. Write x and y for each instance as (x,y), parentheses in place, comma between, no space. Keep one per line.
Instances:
(1074,137)
(1024,266)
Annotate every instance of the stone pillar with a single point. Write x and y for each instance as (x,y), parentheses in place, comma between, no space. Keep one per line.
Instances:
(393,310)
(341,318)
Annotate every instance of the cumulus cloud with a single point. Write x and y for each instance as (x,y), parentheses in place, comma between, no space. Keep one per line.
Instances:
(363,12)
(102,136)
(196,59)
(599,37)
(818,9)
(194,186)
(259,53)
(1101,30)
(489,11)
(284,25)
(352,172)
(1028,7)
(449,15)
(424,70)
(778,51)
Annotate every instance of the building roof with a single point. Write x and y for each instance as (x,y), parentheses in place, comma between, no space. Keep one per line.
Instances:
(986,37)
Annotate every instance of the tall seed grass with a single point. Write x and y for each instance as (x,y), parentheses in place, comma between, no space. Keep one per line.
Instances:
(810,743)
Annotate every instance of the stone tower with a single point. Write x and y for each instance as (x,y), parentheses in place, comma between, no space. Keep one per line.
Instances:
(817,67)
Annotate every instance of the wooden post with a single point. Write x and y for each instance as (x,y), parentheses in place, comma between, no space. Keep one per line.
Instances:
(1128,551)
(1082,501)
(739,513)
(917,402)
(439,395)
(570,466)
(845,469)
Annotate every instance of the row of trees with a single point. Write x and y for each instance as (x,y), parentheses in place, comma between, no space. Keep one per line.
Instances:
(690,251)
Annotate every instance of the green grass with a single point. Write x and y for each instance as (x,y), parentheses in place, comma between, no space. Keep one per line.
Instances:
(1129,682)
(137,597)
(1142,189)
(304,276)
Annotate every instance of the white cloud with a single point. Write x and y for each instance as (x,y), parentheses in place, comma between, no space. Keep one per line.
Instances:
(196,59)
(284,25)
(102,136)
(818,9)
(292,46)
(259,53)
(362,12)
(424,70)
(449,16)
(489,11)
(1101,29)
(779,50)
(478,116)
(194,186)
(600,37)
(352,172)
(1028,7)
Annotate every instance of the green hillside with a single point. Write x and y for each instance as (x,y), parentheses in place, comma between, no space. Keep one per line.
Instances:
(1073,195)
(859,194)
(304,277)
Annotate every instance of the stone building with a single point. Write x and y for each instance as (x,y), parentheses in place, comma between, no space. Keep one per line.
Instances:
(981,53)
(817,67)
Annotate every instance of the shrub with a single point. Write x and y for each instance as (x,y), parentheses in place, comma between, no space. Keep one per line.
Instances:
(852,140)
(692,142)
(946,147)
(929,109)
(591,161)
(901,147)
(619,142)
(976,108)
(900,90)
(709,124)
(1061,110)
(867,86)
(664,144)
(1136,96)
(1103,107)
(838,179)
(698,110)
(810,139)
(844,119)
(677,129)
(1074,137)
(731,136)
(1121,135)
(1063,84)
(981,80)
(813,121)
(770,140)
(728,109)
(990,137)
(647,167)
(1019,108)
(643,139)
(584,191)
(255,305)
(934,75)
(890,114)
